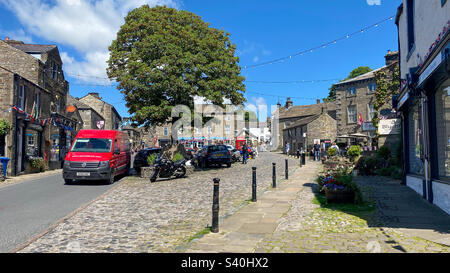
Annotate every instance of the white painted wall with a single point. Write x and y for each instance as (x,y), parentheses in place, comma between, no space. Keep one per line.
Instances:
(429,21)
(415,183)
(441,196)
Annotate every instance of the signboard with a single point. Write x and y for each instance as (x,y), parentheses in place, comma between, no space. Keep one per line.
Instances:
(389,126)
(368,126)
(100,124)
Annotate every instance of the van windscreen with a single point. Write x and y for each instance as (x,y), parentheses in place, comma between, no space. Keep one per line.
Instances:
(92,145)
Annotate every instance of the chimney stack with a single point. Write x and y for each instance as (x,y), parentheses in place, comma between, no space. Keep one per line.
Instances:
(95,94)
(391,57)
(289,103)
(318,101)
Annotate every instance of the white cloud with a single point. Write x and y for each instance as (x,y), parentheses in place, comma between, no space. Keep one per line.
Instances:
(85,25)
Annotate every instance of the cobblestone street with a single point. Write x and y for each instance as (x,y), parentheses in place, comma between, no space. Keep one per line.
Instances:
(139,216)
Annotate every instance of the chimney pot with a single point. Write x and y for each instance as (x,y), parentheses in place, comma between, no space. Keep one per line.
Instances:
(7,39)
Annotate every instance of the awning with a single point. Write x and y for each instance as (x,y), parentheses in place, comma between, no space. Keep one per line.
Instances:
(357,135)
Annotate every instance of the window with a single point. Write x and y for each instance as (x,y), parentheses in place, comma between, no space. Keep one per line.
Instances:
(410,24)
(352,91)
(370,112)
(351,111)
(93,145)
(37,104)
(443,129)
(443,2)
(55,70)
(22,97)
(372,87)
(415,140)
(166,131)
(227,129)
(32,142)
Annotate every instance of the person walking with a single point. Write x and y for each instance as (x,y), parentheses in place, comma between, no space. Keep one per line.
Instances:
(244,153)
(316,151)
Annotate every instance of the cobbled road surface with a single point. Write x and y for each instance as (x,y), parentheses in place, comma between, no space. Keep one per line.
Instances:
(139,216)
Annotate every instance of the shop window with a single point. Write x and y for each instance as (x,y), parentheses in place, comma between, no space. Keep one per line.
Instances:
(443,129)
(32,143)
(415,140)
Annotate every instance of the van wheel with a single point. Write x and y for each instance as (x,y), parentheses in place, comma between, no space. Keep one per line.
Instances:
(110,181)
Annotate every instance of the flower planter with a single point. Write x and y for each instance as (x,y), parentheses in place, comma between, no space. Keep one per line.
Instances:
(146,172)
(340,196)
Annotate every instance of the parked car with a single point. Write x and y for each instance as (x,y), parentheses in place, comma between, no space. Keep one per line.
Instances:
(213,155)
(97,155)
(140,160)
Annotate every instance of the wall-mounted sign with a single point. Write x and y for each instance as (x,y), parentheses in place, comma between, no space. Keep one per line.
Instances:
(71,109)
(368,126)
(100,124)
(389,126)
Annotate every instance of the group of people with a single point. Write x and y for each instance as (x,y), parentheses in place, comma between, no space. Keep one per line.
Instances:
(246,152)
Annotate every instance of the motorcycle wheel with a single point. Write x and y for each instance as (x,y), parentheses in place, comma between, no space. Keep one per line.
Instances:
(154,176)
(182,172)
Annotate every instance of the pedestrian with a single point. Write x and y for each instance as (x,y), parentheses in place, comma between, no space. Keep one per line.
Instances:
(244,153)
(298,153)
(316,151)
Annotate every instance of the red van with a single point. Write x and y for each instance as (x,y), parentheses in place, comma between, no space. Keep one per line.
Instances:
(97,155)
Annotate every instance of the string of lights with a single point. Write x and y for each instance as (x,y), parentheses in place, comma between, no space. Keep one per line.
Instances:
(324,45)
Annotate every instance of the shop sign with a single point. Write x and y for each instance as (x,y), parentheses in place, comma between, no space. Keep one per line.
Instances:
(389,126)
(100,124)
(368,126)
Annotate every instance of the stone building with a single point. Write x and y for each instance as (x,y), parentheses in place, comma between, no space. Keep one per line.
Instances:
(134,135)
(42,65)
(91,119)
(113,120)
(355,100)
(424,99)
(302,133)
(290,114)
(26,107)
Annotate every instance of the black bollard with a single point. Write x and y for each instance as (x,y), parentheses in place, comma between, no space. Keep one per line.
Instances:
(287,170)
(274,175)
(303,159)
(254,184)
(215,207)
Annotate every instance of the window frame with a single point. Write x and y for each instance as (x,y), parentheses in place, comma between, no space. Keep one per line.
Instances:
(349,121)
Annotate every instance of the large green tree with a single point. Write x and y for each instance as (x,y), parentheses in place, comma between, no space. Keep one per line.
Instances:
(163,57)
(353,74)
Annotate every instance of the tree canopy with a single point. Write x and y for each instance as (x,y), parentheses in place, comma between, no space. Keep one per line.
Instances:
(163,57)
(353,74)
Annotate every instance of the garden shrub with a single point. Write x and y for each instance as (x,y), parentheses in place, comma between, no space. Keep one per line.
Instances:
(384,152)
(177,157)
(354,151)
(331,152)
(151,159)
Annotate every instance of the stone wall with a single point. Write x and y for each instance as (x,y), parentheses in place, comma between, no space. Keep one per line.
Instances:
(324,127)
(20,63)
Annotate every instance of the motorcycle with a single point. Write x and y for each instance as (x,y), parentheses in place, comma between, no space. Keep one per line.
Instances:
(236,156)
(165,168)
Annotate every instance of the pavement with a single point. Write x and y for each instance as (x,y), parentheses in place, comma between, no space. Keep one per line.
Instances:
(289,219)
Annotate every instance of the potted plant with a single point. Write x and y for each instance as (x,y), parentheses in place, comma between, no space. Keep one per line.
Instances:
(37,164)
(339,186)
(354,152)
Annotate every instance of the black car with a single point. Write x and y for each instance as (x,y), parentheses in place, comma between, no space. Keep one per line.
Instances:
(140,160)
(213,155)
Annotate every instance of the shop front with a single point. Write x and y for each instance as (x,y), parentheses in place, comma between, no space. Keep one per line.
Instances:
(62,131)
(424,103)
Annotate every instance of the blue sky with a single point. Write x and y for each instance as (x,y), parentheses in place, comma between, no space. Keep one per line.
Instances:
(261,30)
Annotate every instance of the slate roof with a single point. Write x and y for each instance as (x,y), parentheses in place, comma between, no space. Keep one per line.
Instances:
(306,110)
(302,121)
(29,48)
